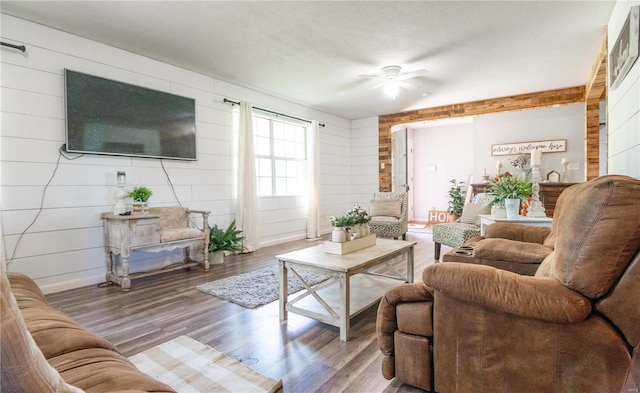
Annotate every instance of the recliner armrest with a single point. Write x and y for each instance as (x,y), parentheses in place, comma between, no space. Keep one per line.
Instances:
(542,298)
(517,232)
(387,323)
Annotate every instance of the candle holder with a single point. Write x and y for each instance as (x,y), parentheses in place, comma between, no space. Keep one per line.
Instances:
(121,181)
(565,177)
(536,208)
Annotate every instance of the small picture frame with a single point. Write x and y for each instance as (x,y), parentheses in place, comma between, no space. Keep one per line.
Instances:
(553,177)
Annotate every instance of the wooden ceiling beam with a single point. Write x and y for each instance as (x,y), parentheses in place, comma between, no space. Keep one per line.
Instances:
(548,98)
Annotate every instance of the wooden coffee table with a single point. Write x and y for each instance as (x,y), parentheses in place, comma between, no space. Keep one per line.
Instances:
(352,286)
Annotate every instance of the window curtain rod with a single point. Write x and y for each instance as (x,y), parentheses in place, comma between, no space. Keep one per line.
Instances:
(226,100)
(21,48)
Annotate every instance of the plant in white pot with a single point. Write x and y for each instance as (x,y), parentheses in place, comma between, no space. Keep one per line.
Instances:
(224,240)
(140,196)
(509,190)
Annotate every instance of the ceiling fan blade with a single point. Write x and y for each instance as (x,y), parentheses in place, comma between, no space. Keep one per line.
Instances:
(406,85)
(377,86)
(379,77)
(412,74)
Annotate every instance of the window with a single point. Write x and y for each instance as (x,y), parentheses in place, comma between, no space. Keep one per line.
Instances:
(281,153)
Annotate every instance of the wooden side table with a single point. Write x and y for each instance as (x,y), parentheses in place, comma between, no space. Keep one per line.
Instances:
(488,219)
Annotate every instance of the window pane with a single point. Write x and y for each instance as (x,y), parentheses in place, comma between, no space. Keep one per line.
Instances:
(281,168)
(261,126)
(281,186)
(263,146)
(264,186)
(279,148)
(263,167)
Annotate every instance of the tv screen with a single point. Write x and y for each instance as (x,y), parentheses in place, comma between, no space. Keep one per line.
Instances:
(109,117)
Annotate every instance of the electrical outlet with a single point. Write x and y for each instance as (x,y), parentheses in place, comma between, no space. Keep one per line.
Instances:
(573,166)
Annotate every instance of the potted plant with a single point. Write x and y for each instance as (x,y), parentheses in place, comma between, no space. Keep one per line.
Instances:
(509,190)
(140,196)
(456,199)
(361,220)
(340,227)
(224,240)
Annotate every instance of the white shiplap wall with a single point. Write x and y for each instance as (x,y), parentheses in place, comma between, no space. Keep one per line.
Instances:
(623,107)
(63,249)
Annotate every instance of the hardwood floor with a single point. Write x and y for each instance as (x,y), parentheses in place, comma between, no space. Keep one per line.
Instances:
(307,355)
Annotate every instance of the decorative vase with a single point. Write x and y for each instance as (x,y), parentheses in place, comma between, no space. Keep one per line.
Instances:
(498,212)
(141,207)
(339,235)
(512,206)
(367,229)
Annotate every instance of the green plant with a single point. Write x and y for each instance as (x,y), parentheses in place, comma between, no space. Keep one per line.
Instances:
(225,240)
(507,186)
(342,221)
(456,197)
(140,194)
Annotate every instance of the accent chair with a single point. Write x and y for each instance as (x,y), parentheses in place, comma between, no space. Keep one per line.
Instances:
(457,233)
(388,211)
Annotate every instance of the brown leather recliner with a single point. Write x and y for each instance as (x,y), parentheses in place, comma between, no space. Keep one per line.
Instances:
(573,327)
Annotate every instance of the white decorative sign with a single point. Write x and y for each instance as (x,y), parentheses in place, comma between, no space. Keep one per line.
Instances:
(505,149)
(625,49)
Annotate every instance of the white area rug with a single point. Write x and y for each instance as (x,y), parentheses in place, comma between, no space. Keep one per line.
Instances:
(257,288)
(191,367)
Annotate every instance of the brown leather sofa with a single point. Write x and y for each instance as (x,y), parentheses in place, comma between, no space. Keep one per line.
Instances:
(573,327)
(44,350)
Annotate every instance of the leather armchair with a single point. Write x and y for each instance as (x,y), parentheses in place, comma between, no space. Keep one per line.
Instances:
(573,327)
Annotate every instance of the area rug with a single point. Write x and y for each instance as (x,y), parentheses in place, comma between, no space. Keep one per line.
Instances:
(191,367)
(257,288)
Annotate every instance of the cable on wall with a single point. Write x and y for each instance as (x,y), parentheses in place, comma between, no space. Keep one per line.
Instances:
(44,192)
(226,100)
(21,48)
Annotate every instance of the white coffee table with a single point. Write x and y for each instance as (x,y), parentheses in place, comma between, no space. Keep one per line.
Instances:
(351,288)
(488,219)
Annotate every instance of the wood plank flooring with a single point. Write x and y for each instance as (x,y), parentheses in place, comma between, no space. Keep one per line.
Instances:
(307,355)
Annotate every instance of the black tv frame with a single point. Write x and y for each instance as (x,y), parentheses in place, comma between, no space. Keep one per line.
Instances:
(167,129)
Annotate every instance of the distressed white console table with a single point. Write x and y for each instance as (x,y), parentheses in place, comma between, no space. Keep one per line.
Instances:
(124,235)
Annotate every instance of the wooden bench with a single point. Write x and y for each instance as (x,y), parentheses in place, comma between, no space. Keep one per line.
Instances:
(162,229)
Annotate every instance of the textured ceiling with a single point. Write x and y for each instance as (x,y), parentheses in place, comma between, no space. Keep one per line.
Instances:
(312,52)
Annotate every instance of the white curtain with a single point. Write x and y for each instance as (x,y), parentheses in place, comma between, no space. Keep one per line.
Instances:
(247,194)
(313,165)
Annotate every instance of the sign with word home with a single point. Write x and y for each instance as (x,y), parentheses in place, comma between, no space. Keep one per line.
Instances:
(438,216)
(505,149)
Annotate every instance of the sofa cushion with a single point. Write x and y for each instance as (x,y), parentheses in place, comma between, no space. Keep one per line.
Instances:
(509,250)
(24,368)
(180,234)
(387,207)
(81,357)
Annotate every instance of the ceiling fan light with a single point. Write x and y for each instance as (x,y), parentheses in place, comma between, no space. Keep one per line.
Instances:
(391,89)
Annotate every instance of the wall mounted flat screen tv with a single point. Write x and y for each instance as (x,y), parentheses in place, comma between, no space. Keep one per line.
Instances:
(109,117)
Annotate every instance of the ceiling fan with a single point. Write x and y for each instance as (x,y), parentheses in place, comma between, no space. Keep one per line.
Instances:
(392,79)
